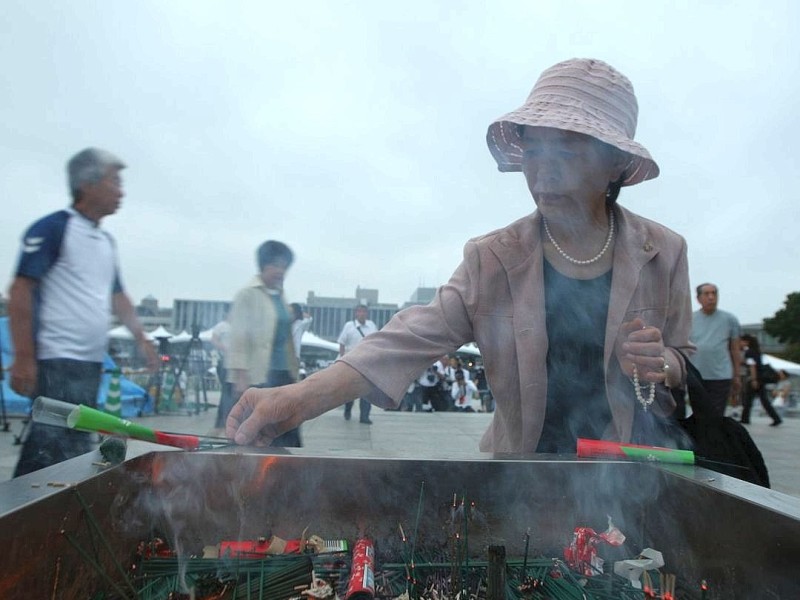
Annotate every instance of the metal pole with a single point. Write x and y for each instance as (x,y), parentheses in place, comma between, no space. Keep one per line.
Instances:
(2,388)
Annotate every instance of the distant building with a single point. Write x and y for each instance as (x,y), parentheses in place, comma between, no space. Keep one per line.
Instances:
(368,297)
(151,316)
(148,307)
(329,313)
(202,313)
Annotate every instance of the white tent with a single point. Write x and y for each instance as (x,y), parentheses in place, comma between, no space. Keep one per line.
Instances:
(779,363)
(183,336)
(470,348)
(314,341)
(159,332)
(120,333)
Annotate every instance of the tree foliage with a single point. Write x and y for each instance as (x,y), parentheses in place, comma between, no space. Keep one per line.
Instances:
(785,326)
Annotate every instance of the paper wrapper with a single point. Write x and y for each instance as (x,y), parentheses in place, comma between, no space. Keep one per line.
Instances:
(581,554)
(632,568)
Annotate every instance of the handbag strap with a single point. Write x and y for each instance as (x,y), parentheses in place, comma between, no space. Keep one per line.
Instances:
(696,388)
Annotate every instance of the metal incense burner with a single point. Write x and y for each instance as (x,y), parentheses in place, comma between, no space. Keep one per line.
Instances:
(744,541)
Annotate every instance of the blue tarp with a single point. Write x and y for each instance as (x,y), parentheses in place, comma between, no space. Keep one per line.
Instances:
(135,401)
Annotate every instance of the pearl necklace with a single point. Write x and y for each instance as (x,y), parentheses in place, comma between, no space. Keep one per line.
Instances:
(575,261)
(651,396)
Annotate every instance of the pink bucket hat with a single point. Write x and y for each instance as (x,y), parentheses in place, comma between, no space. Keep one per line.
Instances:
(582,95)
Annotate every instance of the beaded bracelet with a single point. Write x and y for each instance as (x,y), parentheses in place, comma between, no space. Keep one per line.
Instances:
(651,396)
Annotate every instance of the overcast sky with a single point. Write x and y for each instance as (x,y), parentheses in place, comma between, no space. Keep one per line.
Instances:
(355,132)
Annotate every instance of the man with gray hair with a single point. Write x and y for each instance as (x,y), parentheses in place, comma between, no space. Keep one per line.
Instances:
(66,285)
(716,334)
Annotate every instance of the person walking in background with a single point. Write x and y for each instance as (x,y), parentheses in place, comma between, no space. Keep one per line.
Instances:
(716,335)
(755,384)
(260,349)
(352,333)
(67,284)
(220,334)
(300,324)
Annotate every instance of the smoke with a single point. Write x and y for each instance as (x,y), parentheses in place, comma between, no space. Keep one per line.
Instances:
(434,508)
(193,499)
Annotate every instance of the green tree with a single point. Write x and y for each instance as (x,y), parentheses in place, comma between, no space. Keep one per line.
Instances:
(785,326)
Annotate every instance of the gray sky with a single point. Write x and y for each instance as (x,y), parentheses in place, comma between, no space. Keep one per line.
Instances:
(355,132)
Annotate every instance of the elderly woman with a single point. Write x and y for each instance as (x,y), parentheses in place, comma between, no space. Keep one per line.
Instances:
(577,308)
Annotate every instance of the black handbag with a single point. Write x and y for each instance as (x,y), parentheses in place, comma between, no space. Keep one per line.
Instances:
(723,443)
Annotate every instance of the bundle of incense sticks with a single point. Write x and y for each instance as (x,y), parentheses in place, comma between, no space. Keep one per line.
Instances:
(78,416)
(601,448)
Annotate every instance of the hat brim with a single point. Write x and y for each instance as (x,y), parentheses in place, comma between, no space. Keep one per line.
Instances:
(506,146)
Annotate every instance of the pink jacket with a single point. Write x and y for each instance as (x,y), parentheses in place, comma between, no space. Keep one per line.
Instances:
(496,298)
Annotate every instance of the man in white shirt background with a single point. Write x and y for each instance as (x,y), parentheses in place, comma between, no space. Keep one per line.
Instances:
(352,333)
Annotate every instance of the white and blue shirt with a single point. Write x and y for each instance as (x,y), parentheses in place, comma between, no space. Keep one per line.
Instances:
(75,264)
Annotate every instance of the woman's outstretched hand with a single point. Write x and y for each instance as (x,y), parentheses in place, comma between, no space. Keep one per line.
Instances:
(261,415)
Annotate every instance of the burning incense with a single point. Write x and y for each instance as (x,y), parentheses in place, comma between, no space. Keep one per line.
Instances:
(525,557)
(414,541)
(647,586)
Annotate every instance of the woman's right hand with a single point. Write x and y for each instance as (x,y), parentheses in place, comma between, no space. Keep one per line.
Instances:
(261,415)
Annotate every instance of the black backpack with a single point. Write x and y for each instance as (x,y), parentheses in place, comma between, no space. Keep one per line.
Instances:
(766,374)
(723,442)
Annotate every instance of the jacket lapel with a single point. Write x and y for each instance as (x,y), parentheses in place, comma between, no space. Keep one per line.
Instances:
(632,251)
(521,258)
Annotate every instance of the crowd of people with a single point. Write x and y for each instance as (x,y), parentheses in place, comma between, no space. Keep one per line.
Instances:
(448,385)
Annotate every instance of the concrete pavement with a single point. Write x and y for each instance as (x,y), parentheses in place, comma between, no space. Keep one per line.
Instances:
(410,435)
